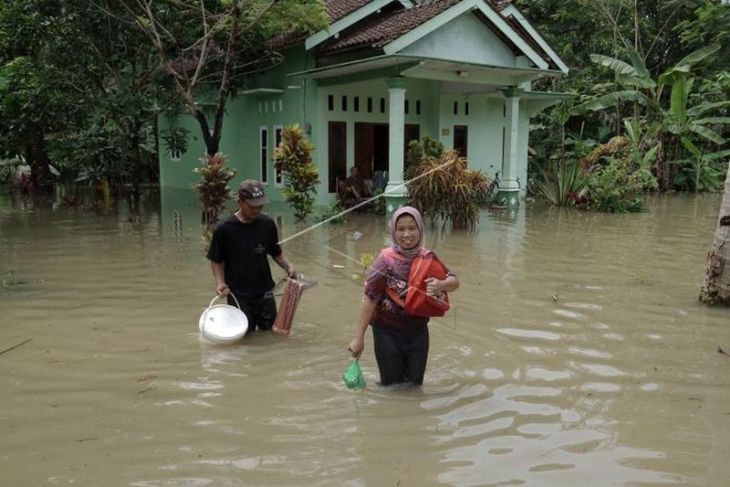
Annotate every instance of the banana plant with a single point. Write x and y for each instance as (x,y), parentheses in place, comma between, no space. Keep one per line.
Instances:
(698,169)
(637,83)
(665,124)
(643,159)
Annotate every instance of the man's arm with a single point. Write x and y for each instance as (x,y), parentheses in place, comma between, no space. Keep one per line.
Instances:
(286,265)
(220,281)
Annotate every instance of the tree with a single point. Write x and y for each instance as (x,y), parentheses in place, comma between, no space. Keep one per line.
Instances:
(88,114)
(208,47)
(716,287)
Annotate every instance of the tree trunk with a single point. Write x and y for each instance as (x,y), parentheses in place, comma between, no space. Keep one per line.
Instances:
(39,162)
(716,288)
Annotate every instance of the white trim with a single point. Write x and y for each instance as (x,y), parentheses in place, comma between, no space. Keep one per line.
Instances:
(511,11)
(264,180)
(262,91)
(278,178)
(341,24)
(454,12)
(406,3)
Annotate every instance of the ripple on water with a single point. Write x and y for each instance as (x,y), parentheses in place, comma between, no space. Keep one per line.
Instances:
(525,333)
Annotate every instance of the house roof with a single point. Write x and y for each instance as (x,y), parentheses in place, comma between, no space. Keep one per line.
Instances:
(379,30)
(336,9)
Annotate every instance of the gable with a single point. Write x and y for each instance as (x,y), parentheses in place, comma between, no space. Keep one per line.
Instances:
(464,39)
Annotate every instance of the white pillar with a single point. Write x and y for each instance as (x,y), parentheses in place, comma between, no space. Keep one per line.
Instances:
(396,192)
(509,186)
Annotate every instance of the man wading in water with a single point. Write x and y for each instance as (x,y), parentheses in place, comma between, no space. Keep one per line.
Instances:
(238,257)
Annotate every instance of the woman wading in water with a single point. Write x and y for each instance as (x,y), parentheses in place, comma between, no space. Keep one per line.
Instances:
(400,338)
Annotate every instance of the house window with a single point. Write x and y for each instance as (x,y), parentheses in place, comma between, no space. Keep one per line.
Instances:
(264,153)
(175,154)
(418,107)
(356,104)
(261,107)
(382,105)
(278,175)
(456,108)
(406,107)
(330,102)
(344,103)
(466,108)
(281,105)
(370,104)
(461,139)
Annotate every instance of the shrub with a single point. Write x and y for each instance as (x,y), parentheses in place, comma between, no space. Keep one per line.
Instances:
(616,187)
(443,187)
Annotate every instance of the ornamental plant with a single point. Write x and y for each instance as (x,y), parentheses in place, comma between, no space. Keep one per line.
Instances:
(294,159)
(443,187)
(213,190)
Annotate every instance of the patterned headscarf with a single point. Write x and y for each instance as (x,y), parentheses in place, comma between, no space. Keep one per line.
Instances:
(410,211)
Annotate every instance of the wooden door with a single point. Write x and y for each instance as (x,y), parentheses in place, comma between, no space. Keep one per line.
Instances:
(461,139)
(364,149)
(337,154)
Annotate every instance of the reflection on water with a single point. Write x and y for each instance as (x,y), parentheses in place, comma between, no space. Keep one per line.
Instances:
(576,353)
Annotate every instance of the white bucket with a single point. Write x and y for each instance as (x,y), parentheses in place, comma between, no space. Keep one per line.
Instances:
(223,323)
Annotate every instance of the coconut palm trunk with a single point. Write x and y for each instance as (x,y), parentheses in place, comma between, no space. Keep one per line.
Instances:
(716,288)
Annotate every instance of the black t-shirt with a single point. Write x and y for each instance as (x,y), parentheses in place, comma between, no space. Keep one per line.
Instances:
(242,248)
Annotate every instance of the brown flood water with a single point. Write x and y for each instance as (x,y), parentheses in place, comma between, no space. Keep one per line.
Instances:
(576,354)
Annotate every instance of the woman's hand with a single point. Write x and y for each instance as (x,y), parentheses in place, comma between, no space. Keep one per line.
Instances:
(356,346)
(433,286)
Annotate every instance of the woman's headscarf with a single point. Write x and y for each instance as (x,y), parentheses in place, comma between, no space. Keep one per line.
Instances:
(407,210)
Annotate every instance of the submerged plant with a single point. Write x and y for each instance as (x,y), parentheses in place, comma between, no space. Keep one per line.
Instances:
(294,159)
(213,191)
(365,261)
(560,183)
(331,213)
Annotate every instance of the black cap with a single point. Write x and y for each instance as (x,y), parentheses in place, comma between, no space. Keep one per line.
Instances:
(252,192)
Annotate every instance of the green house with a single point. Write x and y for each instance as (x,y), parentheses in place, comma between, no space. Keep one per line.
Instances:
(385,72)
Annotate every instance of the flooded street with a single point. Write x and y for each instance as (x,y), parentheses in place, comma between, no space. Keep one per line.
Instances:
(576,353)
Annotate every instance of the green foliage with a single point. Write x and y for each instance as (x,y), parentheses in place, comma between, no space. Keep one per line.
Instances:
(176,138)
(615,188)
(701,171)
(213,190)
(443,187)
(420,149)
(294,159)
(8,169)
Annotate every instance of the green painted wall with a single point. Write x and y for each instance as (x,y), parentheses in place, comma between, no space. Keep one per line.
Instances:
(246,115)
(418,90)
(464,39)
(485,122)
(307,103)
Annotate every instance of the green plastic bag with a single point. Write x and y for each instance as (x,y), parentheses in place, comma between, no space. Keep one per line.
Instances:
(353,376)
